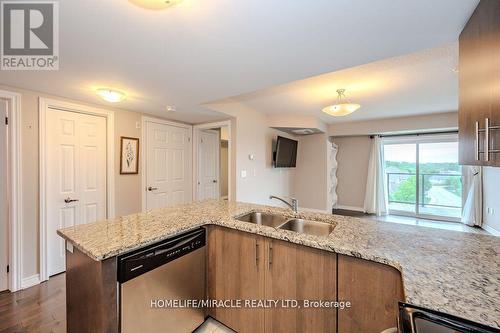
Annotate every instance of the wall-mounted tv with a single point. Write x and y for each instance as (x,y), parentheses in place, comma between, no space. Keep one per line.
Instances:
(286,153)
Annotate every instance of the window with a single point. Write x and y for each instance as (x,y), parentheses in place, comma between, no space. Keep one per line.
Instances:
(423,177)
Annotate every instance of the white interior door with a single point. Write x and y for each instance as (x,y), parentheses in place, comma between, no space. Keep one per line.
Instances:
(4,240)
(168,165)
(208,165)
(76,176)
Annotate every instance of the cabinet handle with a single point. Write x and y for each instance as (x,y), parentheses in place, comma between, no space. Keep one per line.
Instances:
(487,140)
(257,253)
(476,148)
(270,261)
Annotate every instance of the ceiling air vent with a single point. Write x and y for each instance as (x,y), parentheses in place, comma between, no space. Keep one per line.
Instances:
(303,131)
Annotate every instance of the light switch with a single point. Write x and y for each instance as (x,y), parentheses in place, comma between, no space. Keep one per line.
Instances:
(243,174)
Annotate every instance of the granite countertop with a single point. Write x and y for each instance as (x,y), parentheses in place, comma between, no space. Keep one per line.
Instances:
(449,271)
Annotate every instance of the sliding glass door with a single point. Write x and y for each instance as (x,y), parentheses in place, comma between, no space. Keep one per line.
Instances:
(423,177)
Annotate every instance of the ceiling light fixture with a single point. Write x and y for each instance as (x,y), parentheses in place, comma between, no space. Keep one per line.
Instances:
(343,107)
(110,95)
(170,108)
(155,4)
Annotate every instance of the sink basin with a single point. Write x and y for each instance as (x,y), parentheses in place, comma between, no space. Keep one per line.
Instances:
(308,227)
(270,220)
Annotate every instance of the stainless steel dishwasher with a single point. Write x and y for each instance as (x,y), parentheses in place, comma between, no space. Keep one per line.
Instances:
(173,269)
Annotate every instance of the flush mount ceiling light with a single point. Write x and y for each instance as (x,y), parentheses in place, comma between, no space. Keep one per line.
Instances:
(155,4)
(343,107)
(170,108)
(110,95)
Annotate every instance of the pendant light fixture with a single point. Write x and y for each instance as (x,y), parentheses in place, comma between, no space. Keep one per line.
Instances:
(155,4)
(343,107)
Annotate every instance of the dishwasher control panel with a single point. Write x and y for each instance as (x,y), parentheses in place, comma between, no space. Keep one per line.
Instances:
(135,263)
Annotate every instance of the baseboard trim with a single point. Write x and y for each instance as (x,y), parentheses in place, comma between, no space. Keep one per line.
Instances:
(492,231)
(30,281)
(313,210)
(353,208)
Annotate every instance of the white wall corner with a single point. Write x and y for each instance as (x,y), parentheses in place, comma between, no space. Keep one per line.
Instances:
(30,281)
(492,231)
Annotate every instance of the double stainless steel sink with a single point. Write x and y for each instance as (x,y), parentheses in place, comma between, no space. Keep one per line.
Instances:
(293,224)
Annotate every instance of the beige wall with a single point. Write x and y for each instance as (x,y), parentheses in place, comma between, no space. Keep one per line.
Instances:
(127,187)
(310,185)
(254,137)
(432,122)
(491,197)
(352,157)
(128,194)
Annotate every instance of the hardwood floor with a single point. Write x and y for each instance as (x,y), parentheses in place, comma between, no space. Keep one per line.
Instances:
(40,309)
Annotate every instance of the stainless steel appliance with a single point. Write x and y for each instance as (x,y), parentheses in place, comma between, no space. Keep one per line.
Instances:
(414,319)
(173,269)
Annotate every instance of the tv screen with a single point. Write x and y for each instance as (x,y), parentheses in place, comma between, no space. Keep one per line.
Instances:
(286,153)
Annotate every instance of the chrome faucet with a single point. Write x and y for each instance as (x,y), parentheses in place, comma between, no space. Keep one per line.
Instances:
(294,205)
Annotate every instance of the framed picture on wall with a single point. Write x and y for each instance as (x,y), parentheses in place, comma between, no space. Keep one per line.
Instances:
(129,156)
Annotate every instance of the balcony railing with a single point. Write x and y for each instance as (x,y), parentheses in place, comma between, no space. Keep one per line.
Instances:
(435,190)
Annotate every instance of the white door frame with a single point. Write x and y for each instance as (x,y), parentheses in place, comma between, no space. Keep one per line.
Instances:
(196,136)
(15,189)
(44,105)
(143,150)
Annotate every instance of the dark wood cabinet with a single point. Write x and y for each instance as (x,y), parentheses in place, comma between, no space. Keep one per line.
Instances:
(479,87)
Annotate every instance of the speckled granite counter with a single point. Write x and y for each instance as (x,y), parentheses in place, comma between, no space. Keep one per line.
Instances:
(454,272)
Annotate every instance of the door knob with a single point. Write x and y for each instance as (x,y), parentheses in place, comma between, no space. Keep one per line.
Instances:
(214,181)
(69,200)
(150,189)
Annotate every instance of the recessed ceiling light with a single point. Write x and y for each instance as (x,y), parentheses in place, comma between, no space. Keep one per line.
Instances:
(110,95)
(170,108)
(155,4)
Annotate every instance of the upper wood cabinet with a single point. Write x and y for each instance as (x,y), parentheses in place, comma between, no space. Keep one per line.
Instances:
(479,87)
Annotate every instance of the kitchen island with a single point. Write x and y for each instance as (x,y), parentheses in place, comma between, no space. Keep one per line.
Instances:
(452,272)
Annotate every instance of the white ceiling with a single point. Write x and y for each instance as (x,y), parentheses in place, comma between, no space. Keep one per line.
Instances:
(206,50)
(420,83)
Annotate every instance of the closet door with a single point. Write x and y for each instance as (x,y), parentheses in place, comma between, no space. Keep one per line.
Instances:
(75,177)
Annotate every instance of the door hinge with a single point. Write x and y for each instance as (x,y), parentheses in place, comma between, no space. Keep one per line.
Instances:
(6,120)
(8,268)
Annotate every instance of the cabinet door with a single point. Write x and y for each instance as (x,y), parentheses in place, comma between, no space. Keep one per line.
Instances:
(474,93)
(478,82)
(495,72)
(235,272)
(296,272)
(374,291)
